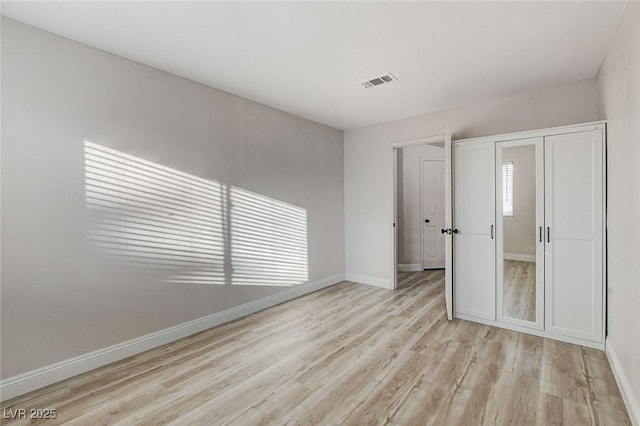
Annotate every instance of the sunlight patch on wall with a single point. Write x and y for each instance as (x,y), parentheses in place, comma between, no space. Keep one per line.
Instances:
(268,240)
(154,216)
(189,229)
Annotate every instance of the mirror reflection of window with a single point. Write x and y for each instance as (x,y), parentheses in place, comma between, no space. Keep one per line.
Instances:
(507,189)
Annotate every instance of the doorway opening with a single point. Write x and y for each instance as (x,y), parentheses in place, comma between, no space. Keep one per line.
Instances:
(421,211)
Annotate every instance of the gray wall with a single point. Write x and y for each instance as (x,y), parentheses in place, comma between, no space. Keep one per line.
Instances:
(60,299)
(619,82)
(368,161)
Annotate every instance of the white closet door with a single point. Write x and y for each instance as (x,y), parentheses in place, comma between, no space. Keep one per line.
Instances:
(473,218)
(574,234)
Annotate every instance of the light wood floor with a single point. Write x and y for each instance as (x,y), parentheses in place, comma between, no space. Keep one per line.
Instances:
(519,290)
(349,354)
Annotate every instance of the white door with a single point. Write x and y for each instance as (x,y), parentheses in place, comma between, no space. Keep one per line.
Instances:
(474,230)
(574,234)
(394,225)
(432,214)
(448,220)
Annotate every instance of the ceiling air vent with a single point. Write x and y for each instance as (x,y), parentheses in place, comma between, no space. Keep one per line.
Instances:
(387,78)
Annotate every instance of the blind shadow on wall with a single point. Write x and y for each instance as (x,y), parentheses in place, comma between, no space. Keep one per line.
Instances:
(188,229)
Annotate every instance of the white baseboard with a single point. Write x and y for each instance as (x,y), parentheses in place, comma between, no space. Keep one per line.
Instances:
(44,376)
(630,398)
(409,267)
(481,318)
(364,279)
(520,257)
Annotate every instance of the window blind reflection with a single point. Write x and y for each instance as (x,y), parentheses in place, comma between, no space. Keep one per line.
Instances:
(507,189)
(188,228)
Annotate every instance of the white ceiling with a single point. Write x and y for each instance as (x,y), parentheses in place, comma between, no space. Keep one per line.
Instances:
(308,58)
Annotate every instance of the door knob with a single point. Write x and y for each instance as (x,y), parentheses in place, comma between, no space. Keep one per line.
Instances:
(427,221)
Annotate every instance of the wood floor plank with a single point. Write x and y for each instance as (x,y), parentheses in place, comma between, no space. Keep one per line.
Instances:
(348,354)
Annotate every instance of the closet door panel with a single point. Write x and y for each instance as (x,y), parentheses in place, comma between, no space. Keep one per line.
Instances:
(573,295)
(573,184)
(574,234)
(473,217)
(474,288)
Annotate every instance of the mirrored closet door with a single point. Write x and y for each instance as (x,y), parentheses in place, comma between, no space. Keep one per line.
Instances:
(520,232)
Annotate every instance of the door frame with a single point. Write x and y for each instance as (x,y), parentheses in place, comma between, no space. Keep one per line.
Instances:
(422,228)
(394,200)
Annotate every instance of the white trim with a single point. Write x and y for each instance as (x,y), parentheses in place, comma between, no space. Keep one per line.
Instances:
(520,257)
(365,279)
(396,222)
(630,399)
(409,267)
(420,141)
(529,330)
(472,313)
(549,131)
(44,376)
